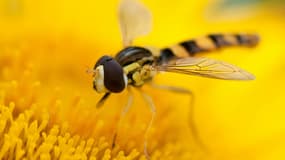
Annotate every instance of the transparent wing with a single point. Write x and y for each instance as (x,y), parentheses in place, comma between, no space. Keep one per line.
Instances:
(134,19)
(206,68)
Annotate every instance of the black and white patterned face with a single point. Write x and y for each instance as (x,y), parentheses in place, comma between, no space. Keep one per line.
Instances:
(109,76)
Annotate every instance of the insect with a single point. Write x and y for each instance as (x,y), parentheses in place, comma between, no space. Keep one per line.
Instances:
(136,66)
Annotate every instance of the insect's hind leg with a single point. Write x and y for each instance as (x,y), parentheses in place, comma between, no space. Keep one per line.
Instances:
(192,124)
(123,113)
(148,99)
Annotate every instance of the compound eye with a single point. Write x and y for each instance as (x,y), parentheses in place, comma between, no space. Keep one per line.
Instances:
(113,74)
(102,61)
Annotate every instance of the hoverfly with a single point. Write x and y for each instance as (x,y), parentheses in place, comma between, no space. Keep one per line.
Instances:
(134,66)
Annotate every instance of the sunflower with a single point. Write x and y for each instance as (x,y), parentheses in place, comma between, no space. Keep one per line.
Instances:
(47,103)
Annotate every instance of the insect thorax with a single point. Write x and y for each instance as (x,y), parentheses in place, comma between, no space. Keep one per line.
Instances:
(137,64)
(138,74)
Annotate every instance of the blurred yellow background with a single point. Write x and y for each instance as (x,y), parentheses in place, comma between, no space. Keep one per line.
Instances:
(53,42)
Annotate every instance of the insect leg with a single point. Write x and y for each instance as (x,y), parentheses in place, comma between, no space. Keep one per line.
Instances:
(122,115)
(192,124)
(148,99)
(102,100)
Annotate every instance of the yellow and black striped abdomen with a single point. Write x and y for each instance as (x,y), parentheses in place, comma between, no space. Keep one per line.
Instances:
(206,44)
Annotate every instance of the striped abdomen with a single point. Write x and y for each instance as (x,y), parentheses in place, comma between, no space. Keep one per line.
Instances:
(206,44)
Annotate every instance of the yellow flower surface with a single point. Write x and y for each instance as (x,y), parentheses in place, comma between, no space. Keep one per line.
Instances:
(47,103)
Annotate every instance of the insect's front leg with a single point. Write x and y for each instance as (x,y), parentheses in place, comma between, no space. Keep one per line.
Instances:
(101,102)
(192,124)
(123,113)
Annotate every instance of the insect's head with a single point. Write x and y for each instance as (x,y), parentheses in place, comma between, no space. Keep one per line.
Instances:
(109,76)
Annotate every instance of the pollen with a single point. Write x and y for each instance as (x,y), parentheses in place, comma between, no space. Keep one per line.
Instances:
(22,137)
(42,118)
(48,104)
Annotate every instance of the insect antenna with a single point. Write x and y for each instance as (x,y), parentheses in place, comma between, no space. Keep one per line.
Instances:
(90,71)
